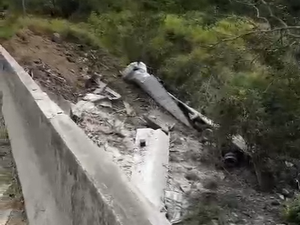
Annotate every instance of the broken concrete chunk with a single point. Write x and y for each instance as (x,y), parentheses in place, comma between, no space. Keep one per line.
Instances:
(80,108)
(105,103)
(155,123)
(108,92)
(93,97)
(101,88)
(129,109)
(149,170)
(174,205)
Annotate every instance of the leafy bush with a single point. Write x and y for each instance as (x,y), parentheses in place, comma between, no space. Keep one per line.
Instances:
(292,212)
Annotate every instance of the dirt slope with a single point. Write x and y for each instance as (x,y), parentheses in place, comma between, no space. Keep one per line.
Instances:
(62,68)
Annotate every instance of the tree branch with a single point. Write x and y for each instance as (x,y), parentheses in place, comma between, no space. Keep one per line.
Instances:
(284,28)
(278,29)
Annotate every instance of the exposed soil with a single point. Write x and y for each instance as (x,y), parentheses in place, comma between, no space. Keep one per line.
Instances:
(63,68)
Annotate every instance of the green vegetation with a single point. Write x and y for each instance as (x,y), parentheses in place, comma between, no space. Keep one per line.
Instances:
(292,212)
(204,215)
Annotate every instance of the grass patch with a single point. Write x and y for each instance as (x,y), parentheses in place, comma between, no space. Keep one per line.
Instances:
(204,215)
(3,134)
(9,27)
(75,32)
(291,213)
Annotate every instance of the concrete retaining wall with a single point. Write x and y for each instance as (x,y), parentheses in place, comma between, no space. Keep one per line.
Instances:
(66,179)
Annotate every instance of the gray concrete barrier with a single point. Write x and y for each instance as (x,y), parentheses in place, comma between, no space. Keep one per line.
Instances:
(66,178)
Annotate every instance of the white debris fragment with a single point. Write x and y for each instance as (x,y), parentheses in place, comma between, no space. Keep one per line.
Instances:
(108,92)
(174,204)
(129,110)
(81,107)
(134,66)
(105,103)
(149,170)
(93,97)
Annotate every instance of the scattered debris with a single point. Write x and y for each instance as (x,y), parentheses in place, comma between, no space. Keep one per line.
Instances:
(80,108)
(111,94)
(100,89)
(114,132)
(94,80)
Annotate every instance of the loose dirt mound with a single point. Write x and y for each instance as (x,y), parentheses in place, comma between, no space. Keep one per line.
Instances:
(62,69)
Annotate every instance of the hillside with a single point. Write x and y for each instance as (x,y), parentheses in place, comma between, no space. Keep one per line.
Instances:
(235,61)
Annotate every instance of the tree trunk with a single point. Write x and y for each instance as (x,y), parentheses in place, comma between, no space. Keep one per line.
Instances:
(264,175)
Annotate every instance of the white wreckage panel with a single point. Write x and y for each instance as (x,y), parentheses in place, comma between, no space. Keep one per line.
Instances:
(149,170)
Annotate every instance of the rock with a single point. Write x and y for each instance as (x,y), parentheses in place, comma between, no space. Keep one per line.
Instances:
(234,215)
(289,164)
(111,94)
(192,175)
(210,183)
(185,188)
(70,59)
(207,134)
(275,203)
(129,109)
(56,38)
(155,124)
(281,196)
(175,158)
(93,98)
(214,222)
(287,193)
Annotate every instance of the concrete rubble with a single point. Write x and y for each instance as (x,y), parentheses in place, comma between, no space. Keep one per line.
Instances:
(150,154)
(142,153)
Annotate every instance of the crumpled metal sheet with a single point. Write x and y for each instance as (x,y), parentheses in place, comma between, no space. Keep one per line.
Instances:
(174,204)
(137,73)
